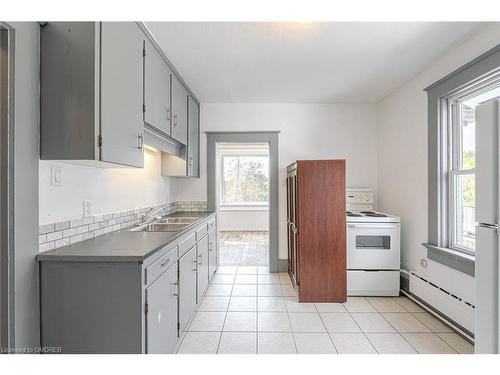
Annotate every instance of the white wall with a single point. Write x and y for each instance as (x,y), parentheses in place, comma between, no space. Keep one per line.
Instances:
(109,189)
(243,220)
(307,131)
(402,157)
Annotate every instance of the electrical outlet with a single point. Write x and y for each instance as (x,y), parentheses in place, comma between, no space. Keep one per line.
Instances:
(423,263)
(87,208)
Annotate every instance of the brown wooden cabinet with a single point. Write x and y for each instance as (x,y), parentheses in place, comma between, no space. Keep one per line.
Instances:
(316,230)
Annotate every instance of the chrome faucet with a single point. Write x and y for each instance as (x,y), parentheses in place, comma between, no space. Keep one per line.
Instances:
(151,214)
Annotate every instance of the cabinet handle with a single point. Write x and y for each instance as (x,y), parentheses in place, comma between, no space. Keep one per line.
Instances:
(190,162)
(176,285)
(140,140)
(175,119)
(195,269)
(165,262)
(210,246)
(168,114)
(200,262)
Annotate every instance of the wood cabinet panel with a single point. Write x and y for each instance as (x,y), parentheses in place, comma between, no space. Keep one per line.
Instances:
(317,230)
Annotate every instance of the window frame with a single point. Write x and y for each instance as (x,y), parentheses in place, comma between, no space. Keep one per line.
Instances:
(454,171)
(450,146)
(239,205)
(474,73)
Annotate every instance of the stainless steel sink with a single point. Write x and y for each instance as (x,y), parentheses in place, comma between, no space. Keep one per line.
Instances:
(160,227)
(178,220)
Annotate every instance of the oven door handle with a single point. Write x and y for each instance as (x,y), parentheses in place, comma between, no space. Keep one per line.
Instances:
(372,226)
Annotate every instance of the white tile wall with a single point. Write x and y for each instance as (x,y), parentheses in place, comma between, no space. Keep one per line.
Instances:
(55,235)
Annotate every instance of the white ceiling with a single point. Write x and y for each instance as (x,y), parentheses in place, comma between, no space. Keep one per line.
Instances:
(302,62)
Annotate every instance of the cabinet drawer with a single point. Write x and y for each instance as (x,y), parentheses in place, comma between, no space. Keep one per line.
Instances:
(187,244)
(201,231)
(161,265)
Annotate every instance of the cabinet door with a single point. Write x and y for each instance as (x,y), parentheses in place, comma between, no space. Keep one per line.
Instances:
(121,123)
(161,318)
(202,253)
(156,89)
(193,161)
(212,253)
(187,287)
(179,111)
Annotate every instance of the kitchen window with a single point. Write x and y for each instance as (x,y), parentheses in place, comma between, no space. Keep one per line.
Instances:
(452,101)
(462,162)
(244,180)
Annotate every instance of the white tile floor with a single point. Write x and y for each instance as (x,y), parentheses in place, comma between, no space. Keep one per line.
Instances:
(247,310)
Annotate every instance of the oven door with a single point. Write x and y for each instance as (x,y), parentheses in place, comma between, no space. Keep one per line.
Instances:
(373,246)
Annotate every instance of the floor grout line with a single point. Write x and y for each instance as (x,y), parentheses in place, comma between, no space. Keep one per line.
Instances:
(326,329)
(352,317)
(225,316)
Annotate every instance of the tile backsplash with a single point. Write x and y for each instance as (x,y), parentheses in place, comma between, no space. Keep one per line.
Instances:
(54,235)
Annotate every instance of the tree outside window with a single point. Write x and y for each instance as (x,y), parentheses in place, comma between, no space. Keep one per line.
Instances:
(245,180)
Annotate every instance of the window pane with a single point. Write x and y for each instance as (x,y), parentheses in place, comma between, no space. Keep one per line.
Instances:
(465,211)
(468,152)
(245,180)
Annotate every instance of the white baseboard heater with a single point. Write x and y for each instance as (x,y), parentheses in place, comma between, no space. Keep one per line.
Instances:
(446,301)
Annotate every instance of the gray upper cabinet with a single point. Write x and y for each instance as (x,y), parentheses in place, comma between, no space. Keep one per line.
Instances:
(91,98)
(161,318)
(193,148)
(122,126)
(179,111)
(157,103)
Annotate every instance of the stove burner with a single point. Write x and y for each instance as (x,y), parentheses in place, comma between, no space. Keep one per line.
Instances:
(373,214)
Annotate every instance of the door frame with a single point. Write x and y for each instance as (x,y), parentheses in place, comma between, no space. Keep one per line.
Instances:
(270,137)
(7,44)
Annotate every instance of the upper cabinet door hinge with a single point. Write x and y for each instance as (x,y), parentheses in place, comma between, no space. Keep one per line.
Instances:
(144,52)
(146,308)
(144,108)
(99,141)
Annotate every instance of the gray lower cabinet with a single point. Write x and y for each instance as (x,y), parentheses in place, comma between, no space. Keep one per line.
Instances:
(157,106)
(187,288)
(202,266)
(193,147)
(116,305)
(179,111)
(91,79)
(212,252)
(161,313)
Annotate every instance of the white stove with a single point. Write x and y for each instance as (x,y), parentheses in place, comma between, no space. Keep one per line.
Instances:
(373,247)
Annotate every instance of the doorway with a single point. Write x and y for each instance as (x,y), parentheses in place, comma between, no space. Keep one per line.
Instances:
(242,186)
(243,203)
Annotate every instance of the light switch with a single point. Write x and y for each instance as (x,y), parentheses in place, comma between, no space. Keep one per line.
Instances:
(56,175)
